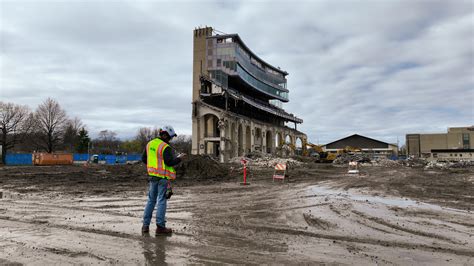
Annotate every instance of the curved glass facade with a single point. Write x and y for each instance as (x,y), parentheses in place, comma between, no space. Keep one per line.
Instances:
(258,72)
(232,51)
(261,85)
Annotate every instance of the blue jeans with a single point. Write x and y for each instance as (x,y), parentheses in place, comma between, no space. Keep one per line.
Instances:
(156,193)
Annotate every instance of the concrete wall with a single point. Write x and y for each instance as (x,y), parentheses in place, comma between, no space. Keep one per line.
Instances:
(199,68)
(413,144)
(422,144)
(432,141)
(452,156)
(239,135)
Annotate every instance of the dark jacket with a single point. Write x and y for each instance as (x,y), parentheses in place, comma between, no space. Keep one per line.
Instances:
(168,156)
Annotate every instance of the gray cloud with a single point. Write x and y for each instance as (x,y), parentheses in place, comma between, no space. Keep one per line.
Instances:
(381,69)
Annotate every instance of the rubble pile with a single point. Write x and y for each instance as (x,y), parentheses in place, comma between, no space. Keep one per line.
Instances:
(271,162)
(448,165)
(265,160)
(414,162)
(345,158)
(384,162)
(201,167)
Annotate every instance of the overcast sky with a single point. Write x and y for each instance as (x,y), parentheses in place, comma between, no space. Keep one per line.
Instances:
(376,69)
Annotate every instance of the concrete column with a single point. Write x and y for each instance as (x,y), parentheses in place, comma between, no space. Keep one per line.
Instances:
(235,140)
(195,136)
(244,138)
(252,136)
(222,146)
(202,128)
(293,144)
(273,141)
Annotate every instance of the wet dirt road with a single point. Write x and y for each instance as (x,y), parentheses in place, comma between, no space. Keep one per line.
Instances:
(291,223)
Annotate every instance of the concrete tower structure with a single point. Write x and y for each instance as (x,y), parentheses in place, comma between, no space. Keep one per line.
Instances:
(237,100)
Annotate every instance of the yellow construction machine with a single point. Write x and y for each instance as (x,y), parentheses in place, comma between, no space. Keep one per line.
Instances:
(320,155)
(350,149)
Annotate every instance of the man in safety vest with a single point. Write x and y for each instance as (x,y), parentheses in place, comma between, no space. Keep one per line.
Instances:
(159,159)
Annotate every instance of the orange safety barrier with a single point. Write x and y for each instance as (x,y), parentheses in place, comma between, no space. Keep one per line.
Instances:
(43,158)
(280,171)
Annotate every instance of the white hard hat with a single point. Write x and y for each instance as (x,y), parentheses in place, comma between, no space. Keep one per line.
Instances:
(169,130)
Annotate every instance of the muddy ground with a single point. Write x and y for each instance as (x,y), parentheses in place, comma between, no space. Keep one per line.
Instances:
(387,215)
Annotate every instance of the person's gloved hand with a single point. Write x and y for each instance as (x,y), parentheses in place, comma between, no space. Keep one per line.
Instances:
(169,193)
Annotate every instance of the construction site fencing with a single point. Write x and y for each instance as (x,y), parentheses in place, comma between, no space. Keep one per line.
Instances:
(27,158)
(77,157)
(19,159)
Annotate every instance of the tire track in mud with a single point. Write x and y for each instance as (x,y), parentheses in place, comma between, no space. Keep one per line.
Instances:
(83,229)
(461,223)
(61,252)
(244,226)
(75,254)
(318,222)
(442,225)
(148,243)
(348,207)
(407,230)
(435,216)
(87,209)
(301,207)
(398,244)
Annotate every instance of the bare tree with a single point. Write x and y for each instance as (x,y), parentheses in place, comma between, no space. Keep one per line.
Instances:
(107,142)
(71,133)
(15,123)
(145,134)
(51,120)
(107,135)
(182,143)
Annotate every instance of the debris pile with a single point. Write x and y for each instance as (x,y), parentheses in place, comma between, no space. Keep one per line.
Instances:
(201,167)
(448,165)
(385,162)
(414,162)
(271,162)
(345,158)
(364,159)
(265,160)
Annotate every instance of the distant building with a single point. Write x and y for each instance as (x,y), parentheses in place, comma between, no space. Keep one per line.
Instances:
(365,144)
(457,143)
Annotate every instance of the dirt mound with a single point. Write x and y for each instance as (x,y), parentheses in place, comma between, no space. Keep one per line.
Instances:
(201,167)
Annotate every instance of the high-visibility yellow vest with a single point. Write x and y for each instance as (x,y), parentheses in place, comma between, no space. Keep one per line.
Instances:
(155,163)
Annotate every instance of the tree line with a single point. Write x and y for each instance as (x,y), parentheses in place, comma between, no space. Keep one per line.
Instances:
(49,129)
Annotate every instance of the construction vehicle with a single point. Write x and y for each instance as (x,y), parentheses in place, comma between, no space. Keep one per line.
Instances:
(350,149)
(317,152)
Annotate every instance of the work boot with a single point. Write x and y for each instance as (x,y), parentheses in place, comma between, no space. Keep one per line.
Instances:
(145,229)
(160,230)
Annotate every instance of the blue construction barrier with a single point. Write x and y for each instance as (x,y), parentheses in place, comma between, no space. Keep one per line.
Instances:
(109,159)
(19,159)
(121,159)
(80,157)
(27,158)
(134,157)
